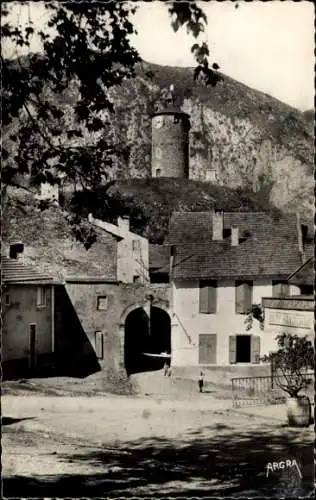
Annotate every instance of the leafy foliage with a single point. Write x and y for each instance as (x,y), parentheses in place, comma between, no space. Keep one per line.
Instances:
(291,362)
(257,312)
(86,51)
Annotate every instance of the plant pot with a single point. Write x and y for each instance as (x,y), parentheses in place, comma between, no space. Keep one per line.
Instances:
(299,411)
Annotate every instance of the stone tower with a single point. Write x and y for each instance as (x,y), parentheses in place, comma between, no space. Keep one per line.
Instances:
(170,140)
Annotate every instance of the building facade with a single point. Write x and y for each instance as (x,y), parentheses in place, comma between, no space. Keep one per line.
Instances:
(222,265)
(28,334)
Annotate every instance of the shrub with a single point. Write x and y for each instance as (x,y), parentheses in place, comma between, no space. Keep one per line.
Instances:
(291,363)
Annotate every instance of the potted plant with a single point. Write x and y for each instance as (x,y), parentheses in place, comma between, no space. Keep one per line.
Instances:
(292,366)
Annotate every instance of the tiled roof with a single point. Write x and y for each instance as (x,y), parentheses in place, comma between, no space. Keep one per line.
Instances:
(158,257)
(185,227)
(269,247)
(15,271)
(305,274)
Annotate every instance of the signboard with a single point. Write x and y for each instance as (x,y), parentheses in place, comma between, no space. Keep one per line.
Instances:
(290,319)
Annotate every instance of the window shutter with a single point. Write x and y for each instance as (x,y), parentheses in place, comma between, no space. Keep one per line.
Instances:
(208,297)
(285,289)
(276,289)
(203,297)
(232,349)
(280,288)
(212,297)
(243,296)
(255,349)
(247,296)
(99,344)
(239,289)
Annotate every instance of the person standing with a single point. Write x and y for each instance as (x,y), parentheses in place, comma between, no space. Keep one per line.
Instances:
(201,381)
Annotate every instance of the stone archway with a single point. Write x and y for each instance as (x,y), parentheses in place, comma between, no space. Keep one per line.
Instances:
(146,335)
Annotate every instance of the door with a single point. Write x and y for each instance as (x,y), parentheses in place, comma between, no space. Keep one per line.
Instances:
(243,349)
(207,349)
(32,345)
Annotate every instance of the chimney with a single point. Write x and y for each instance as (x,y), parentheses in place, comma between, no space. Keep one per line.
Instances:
(217,225)
(300,237)
(235,236)
(123,223)
(15,250)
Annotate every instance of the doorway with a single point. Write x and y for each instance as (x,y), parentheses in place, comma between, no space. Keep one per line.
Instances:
(32,345)
(243,348)
(144,337)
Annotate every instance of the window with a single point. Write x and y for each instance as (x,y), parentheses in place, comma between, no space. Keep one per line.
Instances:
(41,300)
(243,299)
(136,278)
(158,153)
(136,245)
(307,290)
(244,349)
(208,297)
(280,288)
(6,299)
(102,303)
(176,119)
(207,348)
(158,172)
(99,344)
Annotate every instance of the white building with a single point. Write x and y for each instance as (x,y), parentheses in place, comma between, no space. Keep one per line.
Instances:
(221,265)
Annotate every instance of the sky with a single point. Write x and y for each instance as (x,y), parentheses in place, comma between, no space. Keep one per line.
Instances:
(268,46)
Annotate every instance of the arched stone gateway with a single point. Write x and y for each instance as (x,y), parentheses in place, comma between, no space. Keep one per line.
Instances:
(145,335)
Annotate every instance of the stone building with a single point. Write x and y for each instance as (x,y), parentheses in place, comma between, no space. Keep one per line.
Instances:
(170,141)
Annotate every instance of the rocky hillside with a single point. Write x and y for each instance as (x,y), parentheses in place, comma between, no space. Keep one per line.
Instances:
(249,138)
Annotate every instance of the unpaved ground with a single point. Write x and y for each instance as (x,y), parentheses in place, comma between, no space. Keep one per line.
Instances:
(115,445)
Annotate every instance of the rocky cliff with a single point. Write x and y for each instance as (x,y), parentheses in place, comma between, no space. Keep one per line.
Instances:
(242,137)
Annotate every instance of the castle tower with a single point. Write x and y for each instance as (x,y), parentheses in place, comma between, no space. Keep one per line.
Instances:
(170,140)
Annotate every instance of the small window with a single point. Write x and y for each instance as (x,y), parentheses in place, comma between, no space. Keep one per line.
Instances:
(99,344)
(102,303)
(41,300)
(158,153)
(136,244)
(136,278)
(158,172)
(6,299)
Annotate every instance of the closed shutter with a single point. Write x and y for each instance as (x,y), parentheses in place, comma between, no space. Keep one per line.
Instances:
(208,297)
(248,296)
(232,349)
(280,288)
(255,349)
(276,289)
(243,296)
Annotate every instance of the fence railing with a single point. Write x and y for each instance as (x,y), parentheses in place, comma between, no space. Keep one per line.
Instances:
(261,390)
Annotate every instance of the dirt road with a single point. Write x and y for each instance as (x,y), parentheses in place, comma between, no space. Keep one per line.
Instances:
(115,445)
